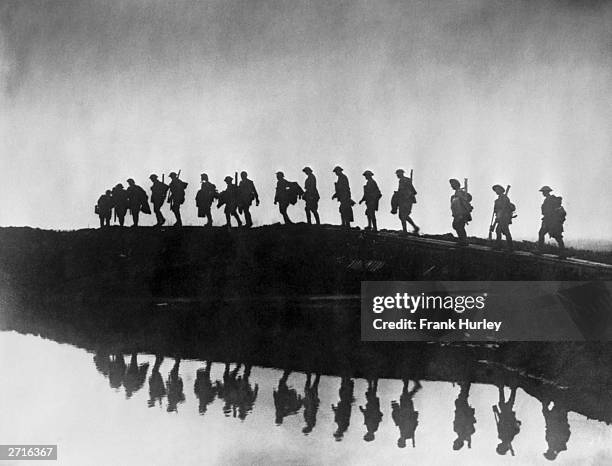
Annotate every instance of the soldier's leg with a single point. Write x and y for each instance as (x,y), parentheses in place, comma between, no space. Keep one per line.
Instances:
(308,219)
(559,239)
(374,226)
(121,218)
(414,225)
(177,213)
(101,220)
(315,212)
(228,220)
(283,211)
(404,228)
(135,215)
(498,236)
(247,216)
(541,235)
(508,235)
(237,217)
(209,220)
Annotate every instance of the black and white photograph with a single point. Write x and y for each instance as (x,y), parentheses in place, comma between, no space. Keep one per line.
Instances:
(305,232)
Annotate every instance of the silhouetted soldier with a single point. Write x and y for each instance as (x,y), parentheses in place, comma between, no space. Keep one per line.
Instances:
(553,217)
(405,417)
(343,195)
(508,426)
(230,198)
(177,197)
(104,208)
(282,196)
(403,199)
(157,389)
(372,415)
(247,395)
(342,412)
(159,190)
(371,196)
(465,418)
(311,402)
(174,387)
(461,210)
(503,210)
(557,429)
(205,197)
(120,203)
(248,194)
(311,196)
(137,200)
(135,376)
(203,388)
(286,400)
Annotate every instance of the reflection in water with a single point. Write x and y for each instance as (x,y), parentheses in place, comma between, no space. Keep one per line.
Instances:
(342,412)
(311,402)
(404,415)
(508,426)
(286,400)
(204,389)
(116,370)
(372,415)
(557,429)
(157,389)
(174,388)
(135,376)
(465,419)
(237,392)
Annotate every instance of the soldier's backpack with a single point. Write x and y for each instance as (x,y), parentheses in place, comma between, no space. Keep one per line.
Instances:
(294,192)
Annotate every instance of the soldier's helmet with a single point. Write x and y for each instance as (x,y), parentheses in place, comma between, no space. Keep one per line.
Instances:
(281,174)
(119,185)
(497,187)
(545,189)
(130,181)
(108,192)
(337,169)
(204,177)
(172,175)
(307,170)
(454,183)
(228,179)
(368,173)
(399,171)
(153,177)
(243,174)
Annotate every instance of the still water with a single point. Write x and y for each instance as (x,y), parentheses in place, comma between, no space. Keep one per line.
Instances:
(105,408)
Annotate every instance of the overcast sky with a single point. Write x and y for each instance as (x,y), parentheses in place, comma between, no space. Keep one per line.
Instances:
(500,92)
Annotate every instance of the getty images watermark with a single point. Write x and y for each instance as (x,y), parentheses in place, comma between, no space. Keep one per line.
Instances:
(486,311)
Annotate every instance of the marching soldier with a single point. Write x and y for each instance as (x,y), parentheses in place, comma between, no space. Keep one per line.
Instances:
(230,198)
(557,429)
(371,196)
(465,420)
(104,208)
(503,210)
(311,196)
(177,197)
(205,197)
(461,210)
(553,217)
(343,195)
(159,189)
(282,196)
(403,199)
(137,200)
(120,203)
(508,426)
(248,194)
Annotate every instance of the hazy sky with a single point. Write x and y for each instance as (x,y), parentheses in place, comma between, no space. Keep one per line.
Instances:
(504,92)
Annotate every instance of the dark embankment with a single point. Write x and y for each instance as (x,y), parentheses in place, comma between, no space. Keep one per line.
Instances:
(276,260)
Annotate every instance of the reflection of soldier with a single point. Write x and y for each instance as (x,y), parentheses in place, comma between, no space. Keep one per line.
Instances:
(403,199)
(372,415)
(465,419)
(104,208)
(102,362)
(203,388)
(120,203)
(248,194)
(343,195)
(157,390)
(405,417)
(557,429)
(177,197)
(205,197)
(246,394)
(503,210)
(508,426)
(116,370)
(158,197)
(342,412)
(236,391)
(229,198)
(311,402)
(137,200)
(135,376)
(286,400)
(311,196)
(174,387)
(553,217)
(461,210)
(371,196)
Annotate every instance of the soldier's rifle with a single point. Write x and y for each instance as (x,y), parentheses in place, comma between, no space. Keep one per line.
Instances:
(494,218)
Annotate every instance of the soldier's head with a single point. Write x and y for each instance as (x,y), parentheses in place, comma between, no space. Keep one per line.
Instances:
(499,190)
(368,174)
(131,181)
(458,444)
(401,442)
(243,175)
(545,190)
(502,448)
(172,175)
(400,172)
(119,186)
(337,170)
(551,454)
(153,177)
(307,170)
(228,179)
(108,192)
(454,183)
(203,177)
(280,175)
(369,436)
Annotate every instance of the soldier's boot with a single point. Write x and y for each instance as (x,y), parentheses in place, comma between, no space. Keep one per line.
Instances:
(562,250)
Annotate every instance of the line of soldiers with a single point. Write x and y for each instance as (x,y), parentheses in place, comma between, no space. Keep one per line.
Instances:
(238,196)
